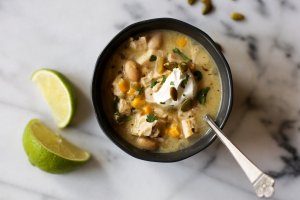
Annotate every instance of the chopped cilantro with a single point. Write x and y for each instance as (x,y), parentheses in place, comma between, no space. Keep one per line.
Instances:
(153,83)
(164,77)
(172,83)
(151,118)
(201,95)
(184,81)
(182,55)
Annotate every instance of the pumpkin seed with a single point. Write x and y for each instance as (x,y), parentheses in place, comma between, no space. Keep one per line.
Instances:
(208,6)
(191,2)
(173,93)
(170,65)
(186,105)
(183,67)
(237,16)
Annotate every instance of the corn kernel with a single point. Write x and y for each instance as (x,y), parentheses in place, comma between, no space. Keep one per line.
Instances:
(138,102)
(147,109)
(181,42)
(131,92)
(123,86)
(174,131)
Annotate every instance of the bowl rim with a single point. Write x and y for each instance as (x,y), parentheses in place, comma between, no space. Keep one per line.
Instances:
(127,147)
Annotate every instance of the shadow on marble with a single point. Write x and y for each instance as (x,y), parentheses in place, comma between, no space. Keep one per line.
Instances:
(91,166)
(84,107)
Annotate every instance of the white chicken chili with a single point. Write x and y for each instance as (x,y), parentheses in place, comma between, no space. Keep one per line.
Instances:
(162,84)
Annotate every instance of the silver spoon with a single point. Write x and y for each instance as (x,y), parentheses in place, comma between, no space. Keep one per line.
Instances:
(262,183)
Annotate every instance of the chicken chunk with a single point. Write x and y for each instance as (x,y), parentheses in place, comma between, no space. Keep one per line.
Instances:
(144,58)
(188,126)
(146,80)
(143,128)
(173,57)
(159,112)
(124,107)
(155,41)
(139,44)
(149,95)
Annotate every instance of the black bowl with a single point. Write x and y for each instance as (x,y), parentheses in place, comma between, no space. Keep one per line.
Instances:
(196,34)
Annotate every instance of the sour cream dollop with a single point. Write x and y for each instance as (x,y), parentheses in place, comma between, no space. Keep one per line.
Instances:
(163,96)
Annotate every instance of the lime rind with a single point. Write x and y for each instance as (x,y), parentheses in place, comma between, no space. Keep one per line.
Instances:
(44,158)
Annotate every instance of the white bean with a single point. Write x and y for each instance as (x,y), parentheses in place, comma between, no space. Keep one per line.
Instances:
(131,71)
(146,143)
(155,41)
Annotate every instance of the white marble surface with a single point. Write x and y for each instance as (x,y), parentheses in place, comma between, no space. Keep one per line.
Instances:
(68,35)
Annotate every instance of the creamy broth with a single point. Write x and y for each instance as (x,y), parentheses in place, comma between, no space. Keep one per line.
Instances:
(139,78)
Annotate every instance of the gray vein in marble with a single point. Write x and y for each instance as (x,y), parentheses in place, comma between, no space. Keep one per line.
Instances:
(285,4)
(289,52)
(292,160)
(235,186)
(120,25)
(135,10)
(230,32)
(178,9)
(286,48)
(14,106)
(262,9)
(252,46)
(43,195)
(191,179)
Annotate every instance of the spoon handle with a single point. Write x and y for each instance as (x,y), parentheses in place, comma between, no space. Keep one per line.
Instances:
(262,183)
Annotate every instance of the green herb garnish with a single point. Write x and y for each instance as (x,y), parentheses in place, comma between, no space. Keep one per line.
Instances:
(152,58)
(172,83)
(182,55)
(201,95)
(184,81)
(153,83)
(122,118)
(151,118)
(197,75)
(164,78)
(162,102)
(140,90)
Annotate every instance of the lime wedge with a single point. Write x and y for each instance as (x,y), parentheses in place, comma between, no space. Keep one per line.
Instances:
(58,93)
(49,151)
